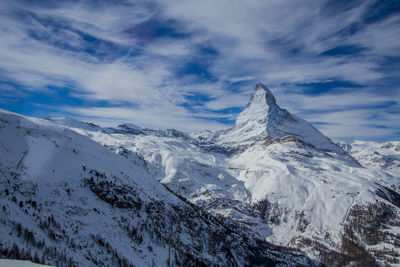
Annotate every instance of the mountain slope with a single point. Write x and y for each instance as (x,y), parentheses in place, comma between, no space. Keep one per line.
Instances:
(277,175)
(379,156)
(68,201)
(17,263)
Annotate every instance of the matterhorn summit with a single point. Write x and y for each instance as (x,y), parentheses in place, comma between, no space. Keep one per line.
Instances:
(261,108)
(263,120)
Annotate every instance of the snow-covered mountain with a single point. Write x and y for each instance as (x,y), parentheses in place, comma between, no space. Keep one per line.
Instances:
(272,177)
(263,120)
(68,201)
(381,156)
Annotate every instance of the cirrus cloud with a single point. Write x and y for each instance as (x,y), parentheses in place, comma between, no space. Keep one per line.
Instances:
(192,64)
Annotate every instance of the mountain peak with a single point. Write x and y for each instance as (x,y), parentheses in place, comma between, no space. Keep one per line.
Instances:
(263,118)
(262,103)
(262,95)
(260,85)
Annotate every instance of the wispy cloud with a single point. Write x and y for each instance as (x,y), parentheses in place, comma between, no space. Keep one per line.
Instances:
(339,101)
(357,124)
(193,64)
(175,116)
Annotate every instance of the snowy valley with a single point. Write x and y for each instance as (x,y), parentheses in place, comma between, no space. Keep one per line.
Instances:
(270,191)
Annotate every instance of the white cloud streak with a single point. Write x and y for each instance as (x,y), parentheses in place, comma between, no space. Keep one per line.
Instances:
(278,42)
(144,118)
(356,124)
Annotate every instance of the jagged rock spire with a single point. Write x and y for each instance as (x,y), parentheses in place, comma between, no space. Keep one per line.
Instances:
(269,97)
(262,102)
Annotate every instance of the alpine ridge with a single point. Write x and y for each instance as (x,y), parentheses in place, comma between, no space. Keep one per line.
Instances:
(270,191)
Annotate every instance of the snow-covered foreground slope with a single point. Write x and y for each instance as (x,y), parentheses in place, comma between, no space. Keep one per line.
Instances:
(277,175)
(68,201)
(17,263)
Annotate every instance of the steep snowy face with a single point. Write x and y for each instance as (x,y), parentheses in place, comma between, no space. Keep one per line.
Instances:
(263,120)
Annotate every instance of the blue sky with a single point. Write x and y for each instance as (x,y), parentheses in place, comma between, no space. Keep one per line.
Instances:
(192,65)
